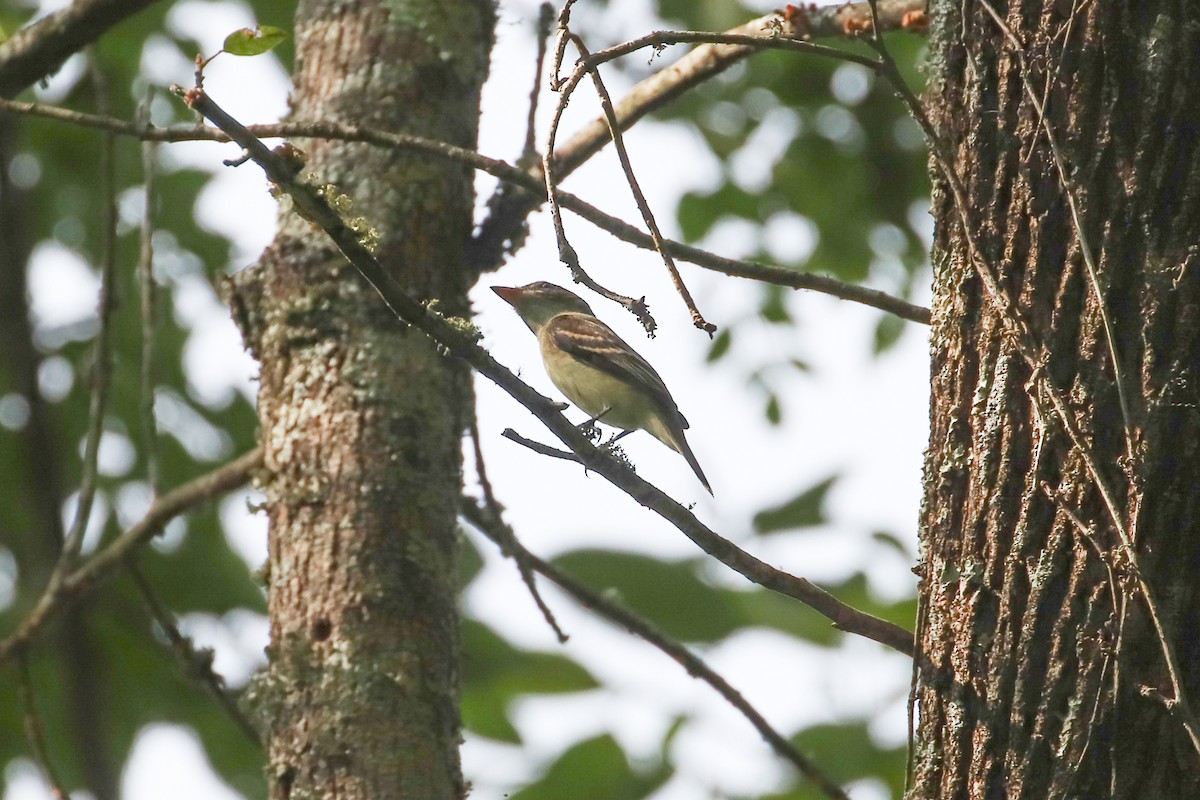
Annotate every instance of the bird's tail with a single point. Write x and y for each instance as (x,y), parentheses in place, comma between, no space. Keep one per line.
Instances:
(672,436)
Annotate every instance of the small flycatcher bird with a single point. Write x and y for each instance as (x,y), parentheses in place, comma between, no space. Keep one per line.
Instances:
(596,369)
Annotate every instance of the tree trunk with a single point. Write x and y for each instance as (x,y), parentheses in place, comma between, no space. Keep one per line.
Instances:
(362,420)
(1041,673)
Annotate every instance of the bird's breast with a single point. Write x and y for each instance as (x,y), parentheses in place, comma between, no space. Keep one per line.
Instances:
(594,390)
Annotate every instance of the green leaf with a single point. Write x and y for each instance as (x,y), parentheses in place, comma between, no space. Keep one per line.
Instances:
(470,562)
(802,511)
(774,308)
(889,539)
(496,673)
(887,332)
(670,594)
(766,609)
(846,752)
(254,41)
(720,346)
(596,769)
(773,411)
(855,591)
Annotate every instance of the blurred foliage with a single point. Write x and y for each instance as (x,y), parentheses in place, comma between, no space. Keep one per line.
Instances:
(844,171)
(496,673)
(803,510)
(596,769)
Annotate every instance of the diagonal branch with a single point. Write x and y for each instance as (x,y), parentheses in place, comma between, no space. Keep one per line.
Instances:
(752,270)
(197,663)
(99,566)
(38,50)
(491,526)
(451,335)
(35,732)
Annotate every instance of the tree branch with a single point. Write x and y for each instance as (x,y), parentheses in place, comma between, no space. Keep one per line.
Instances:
(618,139)
(197,664)
(84,578)
(35,733)
(458,341)
(520,178)
(38,50)
(718,53)
(491,526)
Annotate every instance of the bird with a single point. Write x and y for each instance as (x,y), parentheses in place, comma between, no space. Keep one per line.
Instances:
(597,370)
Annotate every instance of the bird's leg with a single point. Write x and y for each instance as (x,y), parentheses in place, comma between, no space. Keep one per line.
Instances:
(589,428)
(595,419)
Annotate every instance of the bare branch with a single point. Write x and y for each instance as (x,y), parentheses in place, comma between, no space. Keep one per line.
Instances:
(523,567)
(500,533)
(639,197)
(529,151)
(463,345)
(148,292)
(102,349)
(35,732)
(99,566)
(718,53)
(566,253)
(622,230)
(197,664)
(38,50)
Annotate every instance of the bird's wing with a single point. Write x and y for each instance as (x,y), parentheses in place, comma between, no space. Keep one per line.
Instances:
(591,341)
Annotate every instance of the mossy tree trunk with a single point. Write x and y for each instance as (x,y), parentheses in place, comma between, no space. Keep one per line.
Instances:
(362,420)
(1041,673)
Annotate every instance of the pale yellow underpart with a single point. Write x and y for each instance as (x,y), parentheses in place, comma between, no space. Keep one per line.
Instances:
(597,392)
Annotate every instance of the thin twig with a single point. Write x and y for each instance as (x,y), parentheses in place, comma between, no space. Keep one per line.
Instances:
(197,664)
(523,567)
(102,349)
(538,447)
(103,562)
(780,276)
(566,253)
(716,53)
(553,161)
(462,344)
(502,535)
(145,273)
(545,20)
(639,196)
(35,731)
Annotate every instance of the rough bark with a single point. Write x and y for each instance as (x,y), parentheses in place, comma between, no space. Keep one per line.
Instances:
(362,420)
(1040,674)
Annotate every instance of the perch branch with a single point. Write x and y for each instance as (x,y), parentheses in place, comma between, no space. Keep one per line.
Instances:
(462,344)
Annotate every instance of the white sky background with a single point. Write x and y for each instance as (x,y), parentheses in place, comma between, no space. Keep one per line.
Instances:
(854,414)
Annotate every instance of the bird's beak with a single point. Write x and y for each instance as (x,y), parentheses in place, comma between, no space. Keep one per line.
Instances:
(509,294)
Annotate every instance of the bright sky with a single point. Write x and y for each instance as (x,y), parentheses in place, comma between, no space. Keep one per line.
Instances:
(863,417)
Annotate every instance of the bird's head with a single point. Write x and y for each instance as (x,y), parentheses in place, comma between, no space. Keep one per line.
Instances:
(538,302)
